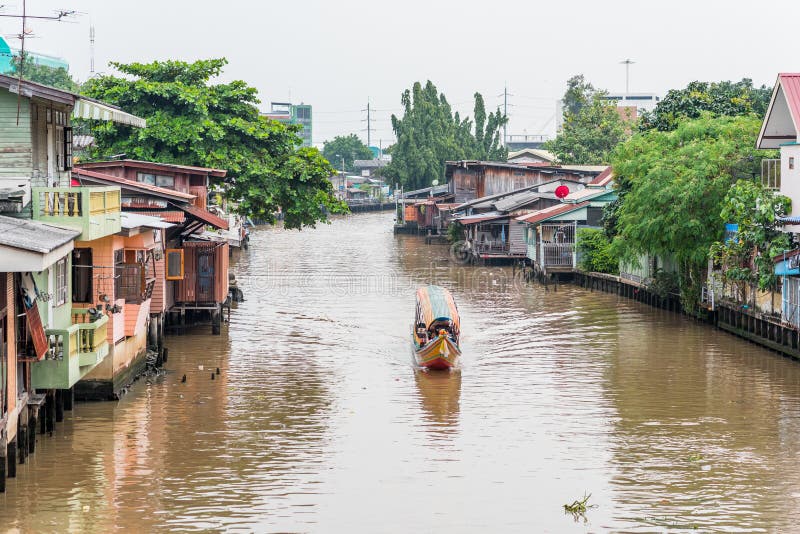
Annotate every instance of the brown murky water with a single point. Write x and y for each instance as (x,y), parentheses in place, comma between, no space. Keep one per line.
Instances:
(319,423)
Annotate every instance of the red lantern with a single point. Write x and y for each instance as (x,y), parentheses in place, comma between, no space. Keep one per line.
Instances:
(562,191)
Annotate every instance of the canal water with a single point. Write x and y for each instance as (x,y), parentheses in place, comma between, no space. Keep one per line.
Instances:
(318,421)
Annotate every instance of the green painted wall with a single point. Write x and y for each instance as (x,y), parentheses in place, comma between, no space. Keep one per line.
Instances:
(15,140)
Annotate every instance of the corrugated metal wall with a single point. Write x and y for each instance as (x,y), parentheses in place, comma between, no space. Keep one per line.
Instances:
(187,290)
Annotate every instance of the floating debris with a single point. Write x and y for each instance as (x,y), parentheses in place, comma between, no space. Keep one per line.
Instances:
(578,507)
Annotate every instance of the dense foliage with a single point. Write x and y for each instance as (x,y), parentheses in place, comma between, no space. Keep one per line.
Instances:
(717,98)
(596,252)
(345,148)
(591,129)
(429,133)
(54,77)
(191,121)
(746,258)
(673,186)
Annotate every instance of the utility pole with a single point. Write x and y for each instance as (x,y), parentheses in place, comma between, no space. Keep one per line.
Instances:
(505,96)
(369,123)
(91,50)
(628,62)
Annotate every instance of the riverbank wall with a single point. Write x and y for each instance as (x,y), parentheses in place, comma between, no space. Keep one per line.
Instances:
(761,329)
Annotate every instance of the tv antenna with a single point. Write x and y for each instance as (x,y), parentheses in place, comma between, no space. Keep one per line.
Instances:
(91,50)
(26,33)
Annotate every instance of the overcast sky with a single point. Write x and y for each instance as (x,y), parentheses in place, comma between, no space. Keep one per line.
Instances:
(337,55)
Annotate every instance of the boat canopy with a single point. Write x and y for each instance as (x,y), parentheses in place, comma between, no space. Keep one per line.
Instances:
(435,303)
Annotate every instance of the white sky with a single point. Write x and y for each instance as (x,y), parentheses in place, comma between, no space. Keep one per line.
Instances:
(336,55)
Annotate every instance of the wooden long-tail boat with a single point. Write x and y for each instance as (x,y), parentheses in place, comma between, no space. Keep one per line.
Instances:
(436,329)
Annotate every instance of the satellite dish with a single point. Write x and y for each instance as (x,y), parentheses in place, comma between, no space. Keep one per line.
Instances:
(562,191)
(435,182)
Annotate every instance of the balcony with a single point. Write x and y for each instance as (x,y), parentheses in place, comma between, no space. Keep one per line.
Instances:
(95,211)
(73,352)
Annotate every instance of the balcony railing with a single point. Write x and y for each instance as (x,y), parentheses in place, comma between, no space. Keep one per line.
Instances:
(492,247)
(95,211)
(83,343)
(558,254)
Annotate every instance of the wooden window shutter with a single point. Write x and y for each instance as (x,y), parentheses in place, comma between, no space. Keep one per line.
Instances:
(67,148)
(174,264)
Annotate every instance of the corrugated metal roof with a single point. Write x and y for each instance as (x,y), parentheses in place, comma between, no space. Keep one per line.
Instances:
(169,216)
(135,220)
(481,217)
(512,202)
(203,215)
(604,178)
(791,88)
(155,164)
(587,193)
(33,235)
(789,220)
(549,213)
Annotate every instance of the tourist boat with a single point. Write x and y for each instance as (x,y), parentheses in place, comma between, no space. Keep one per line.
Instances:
(436,329)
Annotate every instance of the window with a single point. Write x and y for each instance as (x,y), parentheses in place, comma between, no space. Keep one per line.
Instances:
(67,148)
(61,282)
(146,178)
(156,179)
(174,264)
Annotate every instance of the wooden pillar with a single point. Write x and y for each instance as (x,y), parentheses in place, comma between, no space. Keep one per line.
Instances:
(216,320)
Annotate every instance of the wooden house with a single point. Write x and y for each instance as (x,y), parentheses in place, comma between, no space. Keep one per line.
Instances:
(470,180)
(194,181)
(194,262)
(35,260)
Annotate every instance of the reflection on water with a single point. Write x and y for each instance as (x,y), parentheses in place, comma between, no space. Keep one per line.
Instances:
(439,392)
(319,422)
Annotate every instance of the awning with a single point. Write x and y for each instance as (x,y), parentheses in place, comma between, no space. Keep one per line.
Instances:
(789,220)
(135,220)
(92,109)
(203,215)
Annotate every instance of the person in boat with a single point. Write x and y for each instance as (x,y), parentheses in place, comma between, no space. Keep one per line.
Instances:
(422,333)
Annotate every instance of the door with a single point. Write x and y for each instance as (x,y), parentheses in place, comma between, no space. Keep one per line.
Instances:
(82,275)
(205,276)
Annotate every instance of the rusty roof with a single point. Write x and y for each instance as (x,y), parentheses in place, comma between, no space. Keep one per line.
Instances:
(203,215)
(168,216)
(94,176)
(549,213)
(154,165)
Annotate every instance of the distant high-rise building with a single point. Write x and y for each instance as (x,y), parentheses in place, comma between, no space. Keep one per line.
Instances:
(288,113)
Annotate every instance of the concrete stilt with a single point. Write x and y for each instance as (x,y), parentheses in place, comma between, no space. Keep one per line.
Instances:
(32,434)
(11,454)
(69,398)
(59,395)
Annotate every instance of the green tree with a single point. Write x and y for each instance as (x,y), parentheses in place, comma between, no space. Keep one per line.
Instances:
(724,98)
(673,187)
(579,94)
(193,122)
(592,128)
(429,133)
(59,77)
(746,259)
(347,148)
(597,254)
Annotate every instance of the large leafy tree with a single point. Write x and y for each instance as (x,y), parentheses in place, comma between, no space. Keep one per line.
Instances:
(717,98)
(746,259)
(54,77)
(345,148)
(194,122)
(429,133)
(592,126)
(673,187)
